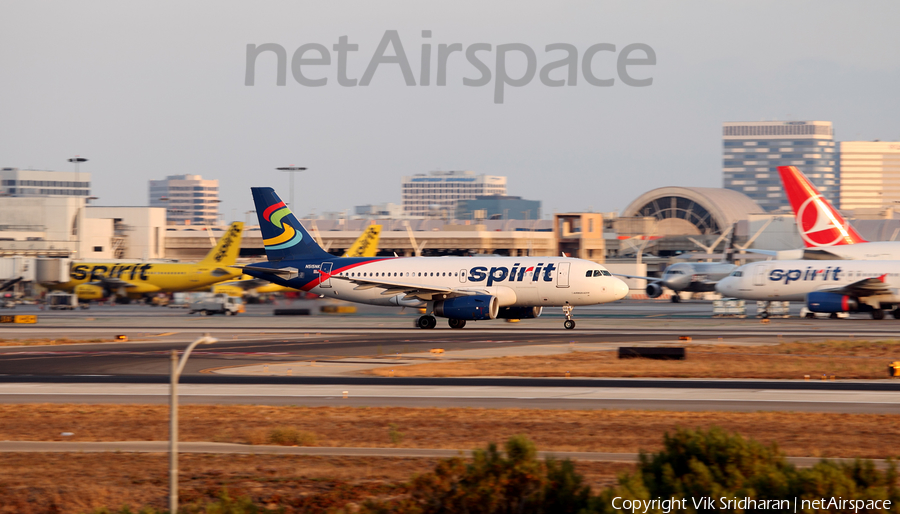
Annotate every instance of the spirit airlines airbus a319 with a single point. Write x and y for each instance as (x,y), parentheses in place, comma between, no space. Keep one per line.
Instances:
(458,288)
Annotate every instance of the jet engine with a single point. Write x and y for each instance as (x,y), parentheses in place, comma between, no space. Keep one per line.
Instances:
(473,307)
(654,289)
(831,302)
(519,312)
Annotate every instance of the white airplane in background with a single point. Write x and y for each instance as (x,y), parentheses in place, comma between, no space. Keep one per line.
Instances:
(831,286)
(459,288)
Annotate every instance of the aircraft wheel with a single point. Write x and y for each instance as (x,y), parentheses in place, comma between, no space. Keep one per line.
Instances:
(456,323)
(676,298)
(229,313)
(569,324)
(896,313)
(811,315)
(833,315)
(877,314)
(763,315)
(426,322)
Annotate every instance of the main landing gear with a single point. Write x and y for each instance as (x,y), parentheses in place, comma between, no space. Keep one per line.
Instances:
(570,323)
(456,323)
(427,322)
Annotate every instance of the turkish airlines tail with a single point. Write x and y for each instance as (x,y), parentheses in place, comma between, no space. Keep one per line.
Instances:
(819,223)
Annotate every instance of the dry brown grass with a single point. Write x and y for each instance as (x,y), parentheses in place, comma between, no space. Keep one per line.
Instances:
(842,359)
(51,342)
(798,434)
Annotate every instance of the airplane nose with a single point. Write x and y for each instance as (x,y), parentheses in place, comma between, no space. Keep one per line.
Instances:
(723,287)
(620,290)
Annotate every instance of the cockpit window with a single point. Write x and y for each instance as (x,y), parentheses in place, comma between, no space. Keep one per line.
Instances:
(606,273)
(589,273)
(675,272)
(598,273)
(737,274)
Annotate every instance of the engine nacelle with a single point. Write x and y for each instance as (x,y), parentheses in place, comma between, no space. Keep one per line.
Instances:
(519,312)
(480,306)
(831,302)
(89,292)
(654,290)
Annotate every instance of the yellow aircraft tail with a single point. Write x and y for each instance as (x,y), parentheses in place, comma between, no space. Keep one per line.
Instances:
(367,244)
(227,249)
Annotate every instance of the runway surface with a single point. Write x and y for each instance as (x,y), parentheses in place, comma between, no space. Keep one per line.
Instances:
(530,397)
(248,341)
(242,449)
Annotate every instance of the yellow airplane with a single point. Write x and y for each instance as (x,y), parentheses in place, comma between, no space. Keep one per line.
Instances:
(97,280)
(366,245)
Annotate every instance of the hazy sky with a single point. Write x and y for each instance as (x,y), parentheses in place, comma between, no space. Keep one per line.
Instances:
(148,89)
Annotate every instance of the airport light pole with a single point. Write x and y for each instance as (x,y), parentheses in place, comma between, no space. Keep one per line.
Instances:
(177,368)
(291,170)
(76,161)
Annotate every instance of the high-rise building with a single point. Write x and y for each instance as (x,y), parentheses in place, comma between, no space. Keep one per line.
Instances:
(188,199)
(870,174)
(16,182)
(437,192)
(752,152)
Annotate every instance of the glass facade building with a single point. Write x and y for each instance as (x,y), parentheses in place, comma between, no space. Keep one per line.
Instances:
(752,152)
(437,193)
(16,182)
(188,199)
(870,174)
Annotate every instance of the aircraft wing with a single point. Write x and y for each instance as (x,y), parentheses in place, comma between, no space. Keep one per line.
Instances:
(866,287)
(111,282)
(418,291)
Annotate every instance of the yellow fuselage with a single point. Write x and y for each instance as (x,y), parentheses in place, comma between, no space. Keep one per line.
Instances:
(148,277)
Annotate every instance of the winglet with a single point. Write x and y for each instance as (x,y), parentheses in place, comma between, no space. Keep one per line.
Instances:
(819,223)
(882,278)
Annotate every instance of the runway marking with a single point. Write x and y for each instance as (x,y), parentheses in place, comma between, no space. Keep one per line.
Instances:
(430,397)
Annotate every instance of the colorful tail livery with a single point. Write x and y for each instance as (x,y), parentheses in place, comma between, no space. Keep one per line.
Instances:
(819,223)
(283,236)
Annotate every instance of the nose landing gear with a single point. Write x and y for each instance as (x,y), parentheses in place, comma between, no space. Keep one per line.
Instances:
(569,323)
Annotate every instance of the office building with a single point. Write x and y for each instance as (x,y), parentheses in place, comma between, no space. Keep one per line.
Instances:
(752,151)
(497,207)
(188,199)
(16,182)
(436,193)
(870,174)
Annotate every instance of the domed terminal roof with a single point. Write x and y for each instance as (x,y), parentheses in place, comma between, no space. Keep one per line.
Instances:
(693,210)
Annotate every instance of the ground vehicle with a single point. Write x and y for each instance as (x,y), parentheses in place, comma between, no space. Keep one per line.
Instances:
(58,300)
(218,303)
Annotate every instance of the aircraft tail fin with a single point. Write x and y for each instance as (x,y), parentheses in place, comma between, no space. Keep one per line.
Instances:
(367,244)
(226,251)
(819,223)
(283,235)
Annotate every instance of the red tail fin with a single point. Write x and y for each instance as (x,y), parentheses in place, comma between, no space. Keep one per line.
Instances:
(819,223)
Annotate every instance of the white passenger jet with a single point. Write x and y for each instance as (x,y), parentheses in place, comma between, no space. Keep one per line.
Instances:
(831,286)
(458,288)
